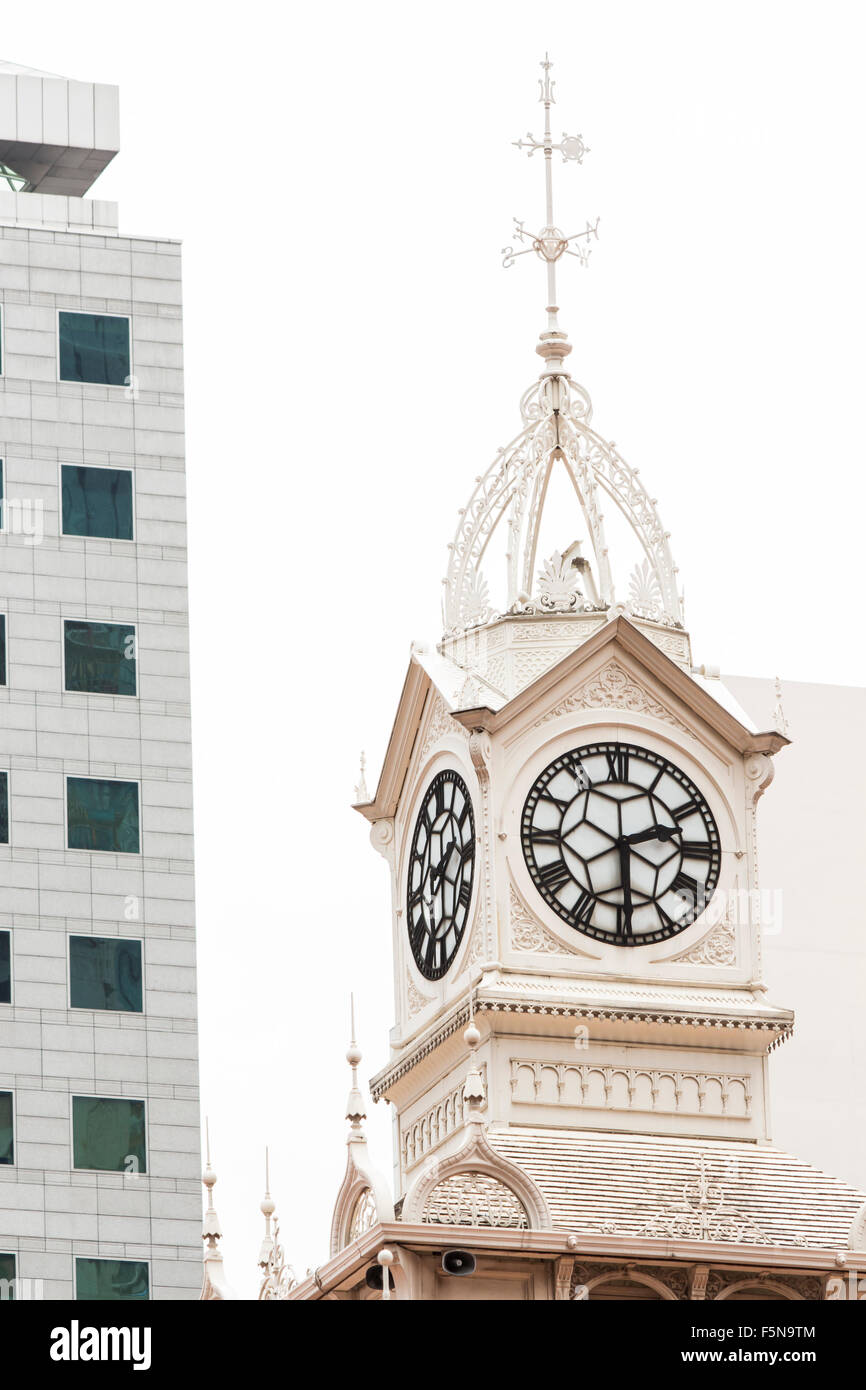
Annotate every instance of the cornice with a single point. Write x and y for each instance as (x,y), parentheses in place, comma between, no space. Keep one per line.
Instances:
(550,1244)
(778,1026)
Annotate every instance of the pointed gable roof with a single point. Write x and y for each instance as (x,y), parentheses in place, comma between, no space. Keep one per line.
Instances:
(709,700)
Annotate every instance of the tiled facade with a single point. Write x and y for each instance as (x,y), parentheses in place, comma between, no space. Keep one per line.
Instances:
(51,1213)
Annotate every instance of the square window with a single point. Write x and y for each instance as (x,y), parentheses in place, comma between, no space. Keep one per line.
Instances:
(108,1134)
(7,1146)
(94,348)
(4,808)
(102,814)
(96,501)
(7,1278)
(110,1281)
(104,973)
(99,658)
(5,967)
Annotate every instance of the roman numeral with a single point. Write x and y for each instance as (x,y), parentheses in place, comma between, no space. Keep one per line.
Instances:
(687,809)
(467,853)
(465,894)
(683,883)
(617,763)
(696,849)
(440,799)
(554,876)
(582,910)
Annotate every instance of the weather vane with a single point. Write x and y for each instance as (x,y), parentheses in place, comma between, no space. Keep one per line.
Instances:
(549,244)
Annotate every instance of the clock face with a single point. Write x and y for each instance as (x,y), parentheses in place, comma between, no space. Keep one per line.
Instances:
(439,884)
(620,843)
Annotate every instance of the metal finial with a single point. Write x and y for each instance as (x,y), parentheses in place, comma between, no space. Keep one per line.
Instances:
(355,1110)
(211,1231)
(550,244)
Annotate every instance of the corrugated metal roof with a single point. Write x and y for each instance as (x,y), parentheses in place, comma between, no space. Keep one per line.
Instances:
(697,1189)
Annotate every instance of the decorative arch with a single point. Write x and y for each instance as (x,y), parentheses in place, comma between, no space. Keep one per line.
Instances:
(477,1156)
(634,1276)
(760,1286)
(359,1179)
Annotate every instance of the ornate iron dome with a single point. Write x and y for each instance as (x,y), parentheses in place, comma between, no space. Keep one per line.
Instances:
(556,414)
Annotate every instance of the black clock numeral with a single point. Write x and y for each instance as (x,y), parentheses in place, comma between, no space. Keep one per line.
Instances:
(465,894)
(684,883)
(697,849)
(582,910)
(555,875)
(668,923)
(683,812)
(617,762)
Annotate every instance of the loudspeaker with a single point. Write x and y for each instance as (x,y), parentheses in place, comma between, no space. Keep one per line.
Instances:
(373,1277)
(458,1262)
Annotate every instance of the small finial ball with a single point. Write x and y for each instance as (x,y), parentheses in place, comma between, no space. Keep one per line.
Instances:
(571,1242)
(385,1257)
(472,1037)
(353,1056)
(268,1206)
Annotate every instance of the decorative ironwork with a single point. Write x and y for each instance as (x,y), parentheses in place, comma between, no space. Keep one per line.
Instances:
(475,1199)
(364,1216)
(704,1215)
(550,244)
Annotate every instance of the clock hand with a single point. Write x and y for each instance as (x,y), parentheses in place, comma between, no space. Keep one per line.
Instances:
(655,832)
(625,875)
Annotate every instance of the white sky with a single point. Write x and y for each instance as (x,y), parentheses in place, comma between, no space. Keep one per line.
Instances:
(343,180)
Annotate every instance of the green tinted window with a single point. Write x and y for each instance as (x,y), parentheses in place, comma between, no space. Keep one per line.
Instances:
(5,967)
(108,1134)
(102,814)
(97,502)
(4,808)
(105,973)
(94,347)
(7,1147)
(7,1277)
(99,657)
(110,1280)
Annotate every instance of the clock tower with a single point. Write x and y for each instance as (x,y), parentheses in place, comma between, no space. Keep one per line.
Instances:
(567,808)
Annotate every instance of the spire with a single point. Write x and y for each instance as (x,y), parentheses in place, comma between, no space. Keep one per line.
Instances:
(268,1207)
(550,244)
(277,1278)
(215,1286)
(557,472)
(355,1111)
(211,1231)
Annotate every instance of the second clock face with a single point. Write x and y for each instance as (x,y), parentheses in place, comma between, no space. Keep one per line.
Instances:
(620,843)
(439,884)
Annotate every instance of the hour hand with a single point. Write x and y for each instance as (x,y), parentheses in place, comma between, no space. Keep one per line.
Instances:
(655,832)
